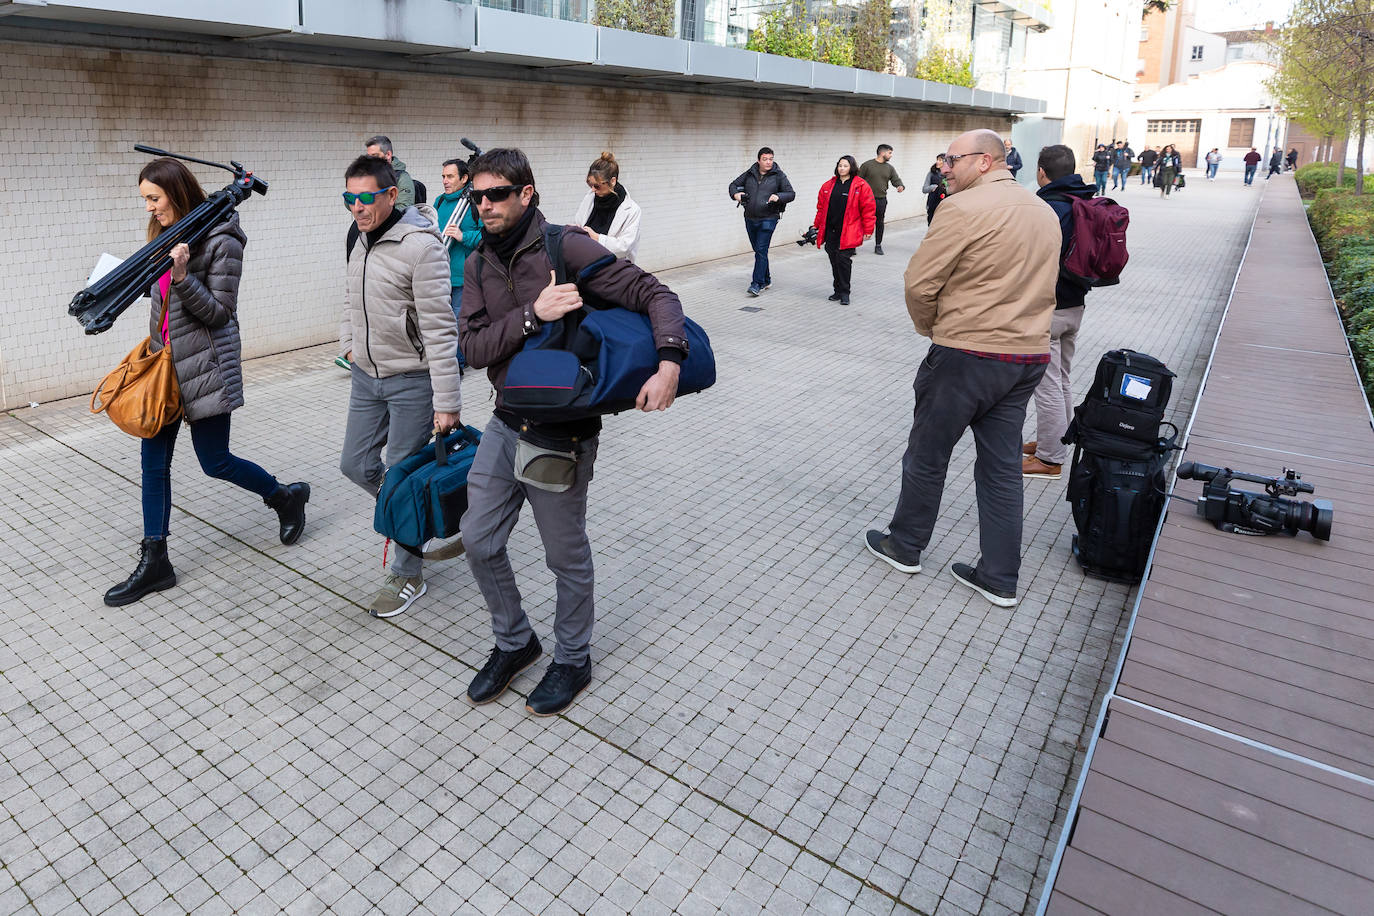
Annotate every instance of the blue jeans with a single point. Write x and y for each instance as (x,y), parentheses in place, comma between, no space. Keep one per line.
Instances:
(1212,169)
(1119,175)
(760,237)
(1146,173)
(1250,172)
(1100,178)
(210,438)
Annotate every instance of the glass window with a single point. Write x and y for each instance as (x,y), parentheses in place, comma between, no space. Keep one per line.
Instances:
(1197,52)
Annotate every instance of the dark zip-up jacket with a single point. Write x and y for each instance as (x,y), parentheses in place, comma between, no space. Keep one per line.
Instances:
(498,298)
(758,187)
(1068,294)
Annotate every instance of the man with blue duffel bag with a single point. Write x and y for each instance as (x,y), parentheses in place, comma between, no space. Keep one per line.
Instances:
(508,296)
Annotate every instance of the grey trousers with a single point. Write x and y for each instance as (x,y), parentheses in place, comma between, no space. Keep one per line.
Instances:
(395,412)
(1054,396)
(494,501)
(956,391)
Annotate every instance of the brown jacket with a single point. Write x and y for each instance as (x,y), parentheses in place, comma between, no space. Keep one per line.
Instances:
(498,304)
(983,278)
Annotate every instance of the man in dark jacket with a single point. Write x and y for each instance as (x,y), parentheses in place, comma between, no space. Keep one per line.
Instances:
(509,291)
(1147,165)
(764,192)
(1059,185)
(1252,161)
(1102,164)
(1275,163)
(1121,164)
(1013,158)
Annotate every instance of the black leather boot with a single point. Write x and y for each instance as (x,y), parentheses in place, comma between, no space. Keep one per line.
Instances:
(289,501)
(153,574)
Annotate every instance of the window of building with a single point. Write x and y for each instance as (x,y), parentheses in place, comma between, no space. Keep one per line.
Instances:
(1242,132)
(1197,52)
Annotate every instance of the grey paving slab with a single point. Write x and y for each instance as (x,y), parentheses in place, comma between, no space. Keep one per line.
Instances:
(776,723)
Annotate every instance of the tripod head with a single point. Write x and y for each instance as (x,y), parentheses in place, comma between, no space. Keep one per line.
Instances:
(244,180)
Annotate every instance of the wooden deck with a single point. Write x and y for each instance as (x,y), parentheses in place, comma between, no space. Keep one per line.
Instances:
(1233,770)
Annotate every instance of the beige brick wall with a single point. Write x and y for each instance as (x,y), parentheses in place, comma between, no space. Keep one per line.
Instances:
(69,119)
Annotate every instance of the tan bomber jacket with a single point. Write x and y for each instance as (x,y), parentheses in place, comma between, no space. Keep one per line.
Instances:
(983,278)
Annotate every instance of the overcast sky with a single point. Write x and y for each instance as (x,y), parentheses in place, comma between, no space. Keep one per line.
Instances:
(1228,15)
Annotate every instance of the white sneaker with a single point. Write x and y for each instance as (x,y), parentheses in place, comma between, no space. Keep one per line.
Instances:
(397,594)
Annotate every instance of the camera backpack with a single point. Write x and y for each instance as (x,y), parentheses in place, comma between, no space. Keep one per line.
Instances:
(1127,400)
(1116,480)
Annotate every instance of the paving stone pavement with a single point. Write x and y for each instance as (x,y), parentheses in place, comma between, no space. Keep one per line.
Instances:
(777,723)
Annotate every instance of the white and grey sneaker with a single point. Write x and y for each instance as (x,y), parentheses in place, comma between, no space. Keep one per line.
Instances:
(397,594)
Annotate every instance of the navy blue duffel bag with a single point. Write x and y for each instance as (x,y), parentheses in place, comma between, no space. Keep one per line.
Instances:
(424,496)
(595,361)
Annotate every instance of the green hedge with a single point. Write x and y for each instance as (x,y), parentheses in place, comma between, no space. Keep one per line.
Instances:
(1344,226)
(1315,176)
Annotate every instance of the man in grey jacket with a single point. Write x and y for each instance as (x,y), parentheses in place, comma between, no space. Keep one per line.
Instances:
(399,331)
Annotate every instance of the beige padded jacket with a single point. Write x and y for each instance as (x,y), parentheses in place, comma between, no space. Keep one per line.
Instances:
(397,317)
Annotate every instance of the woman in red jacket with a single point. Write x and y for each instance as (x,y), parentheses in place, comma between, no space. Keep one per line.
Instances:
(845,217)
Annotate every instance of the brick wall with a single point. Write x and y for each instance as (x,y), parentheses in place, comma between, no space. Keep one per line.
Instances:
(69,119)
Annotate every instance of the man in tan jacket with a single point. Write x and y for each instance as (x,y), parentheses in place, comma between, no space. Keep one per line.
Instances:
(981,287)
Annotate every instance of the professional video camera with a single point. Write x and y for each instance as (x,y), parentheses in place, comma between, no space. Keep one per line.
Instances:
(809,236)
(98,305)
(1245,512)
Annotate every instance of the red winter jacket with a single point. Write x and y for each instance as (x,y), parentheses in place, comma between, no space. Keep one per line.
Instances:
(860,213)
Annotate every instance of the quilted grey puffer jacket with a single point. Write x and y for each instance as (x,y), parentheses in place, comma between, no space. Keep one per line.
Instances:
(203,324)
(397,317)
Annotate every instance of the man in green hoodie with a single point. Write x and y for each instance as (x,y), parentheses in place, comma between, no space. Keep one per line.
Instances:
(461,236)
(379,147)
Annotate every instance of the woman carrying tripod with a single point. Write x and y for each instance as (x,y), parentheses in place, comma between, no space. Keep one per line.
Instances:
(195,313)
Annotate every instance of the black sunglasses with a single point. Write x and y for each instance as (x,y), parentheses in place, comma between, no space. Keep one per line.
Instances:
(496,194)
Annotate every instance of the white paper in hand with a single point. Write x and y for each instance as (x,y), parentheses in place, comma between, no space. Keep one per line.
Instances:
(106,263)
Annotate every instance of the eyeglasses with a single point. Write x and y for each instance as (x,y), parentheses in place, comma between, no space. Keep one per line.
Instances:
(366,197)
(951,158)
(496,194)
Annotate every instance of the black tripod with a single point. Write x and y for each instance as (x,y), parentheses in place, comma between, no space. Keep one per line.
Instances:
(98,305)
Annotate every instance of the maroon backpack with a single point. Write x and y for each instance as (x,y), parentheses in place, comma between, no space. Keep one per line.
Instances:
(1097,251)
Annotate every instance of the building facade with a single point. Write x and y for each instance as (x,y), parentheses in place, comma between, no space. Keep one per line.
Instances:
(294,100)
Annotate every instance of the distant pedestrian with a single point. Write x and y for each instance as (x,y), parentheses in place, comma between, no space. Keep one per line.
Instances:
(1167,169)
(1213,162)
(845,216)
(1044,457)
(935,188)
(879,174)
(764,192)
(1013,158)
(1102,165)
(379,147)
(1252,161)
(1292,159)
(607,213)
(462,232)
(1275,163)
(981,287)
(1147,165)
(1122,157)
(195,313)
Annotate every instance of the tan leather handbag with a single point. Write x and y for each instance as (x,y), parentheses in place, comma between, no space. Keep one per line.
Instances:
(141,395)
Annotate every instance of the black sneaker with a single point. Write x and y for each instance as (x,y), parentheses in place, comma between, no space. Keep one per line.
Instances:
(754,290)
(877,249)
(834,297)
(844,300)
(879,545)
(500,669)
(558,689)
(968,575)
